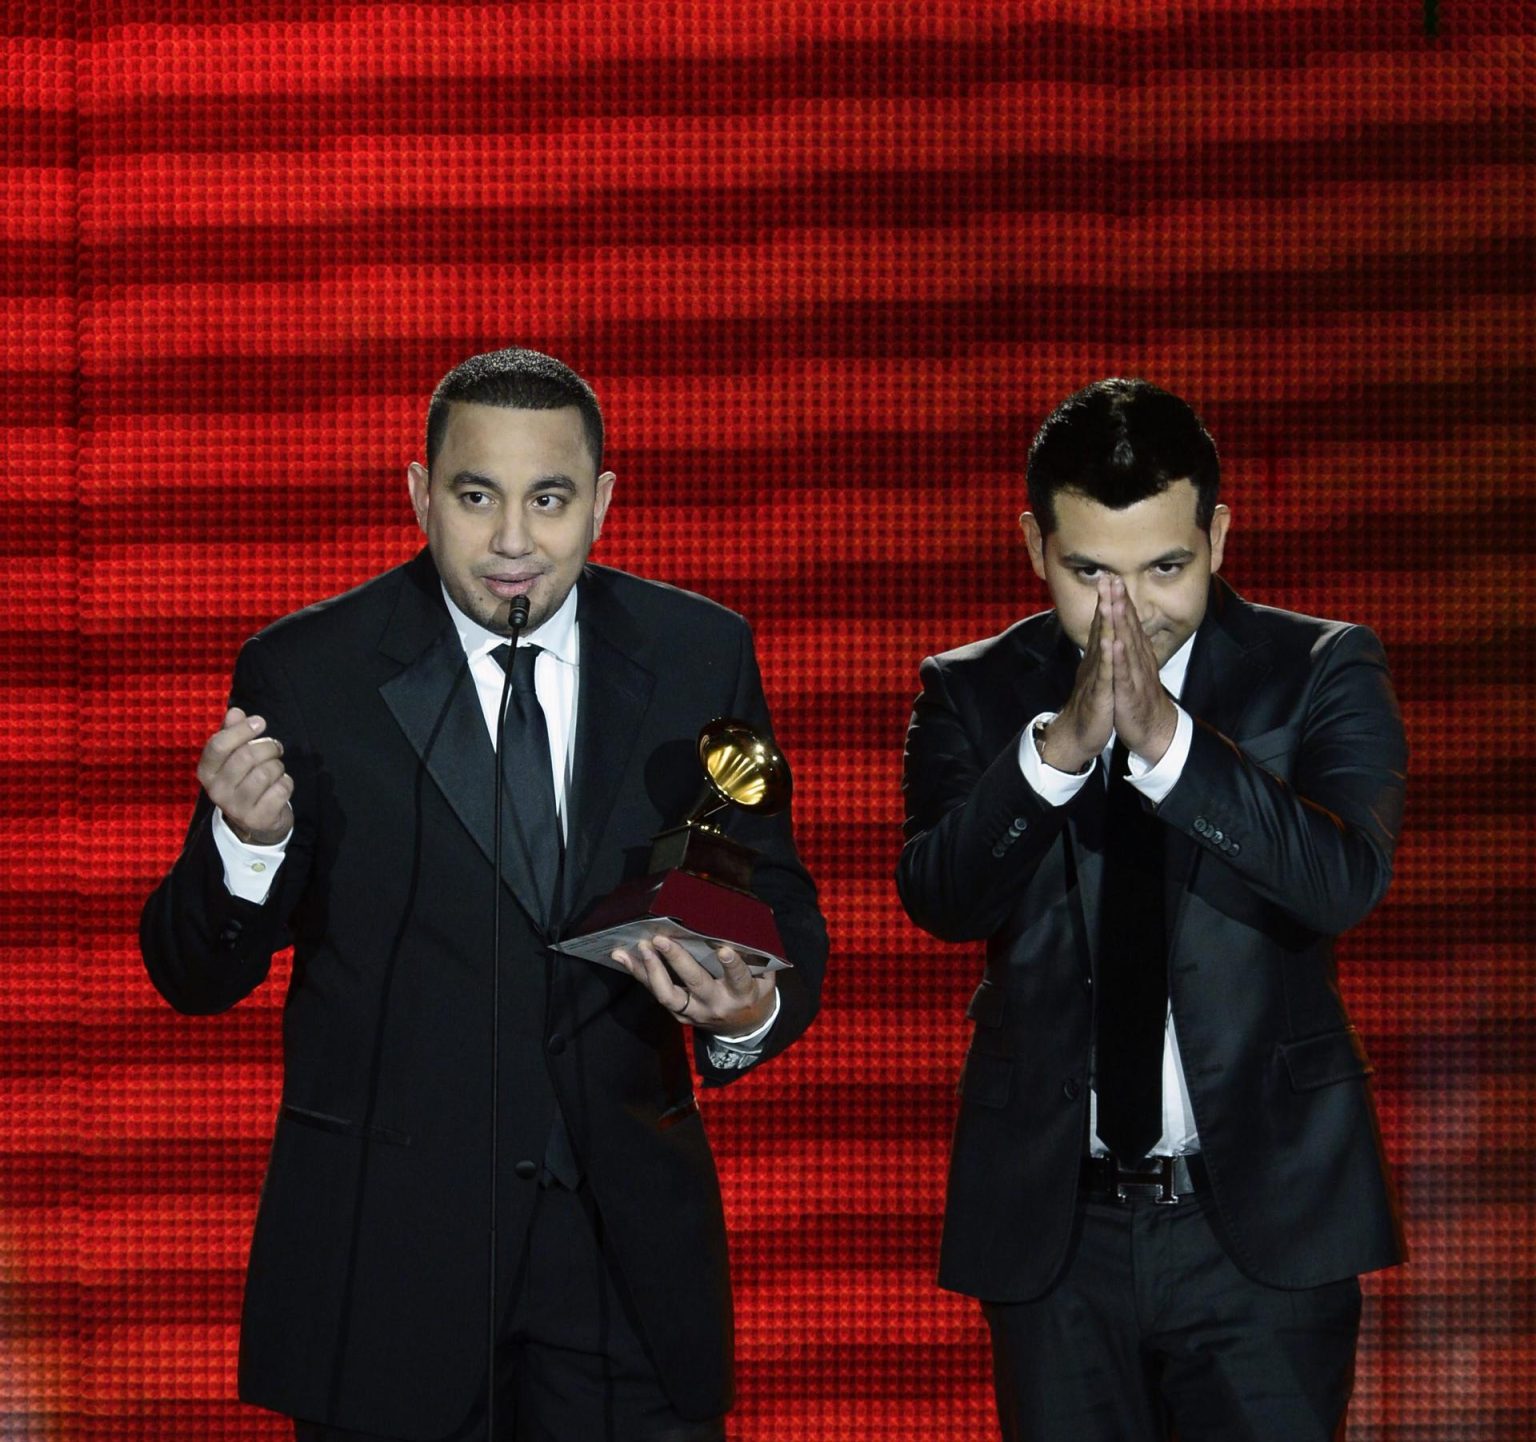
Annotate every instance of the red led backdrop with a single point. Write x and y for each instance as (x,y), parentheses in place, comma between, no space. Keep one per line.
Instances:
(828,265)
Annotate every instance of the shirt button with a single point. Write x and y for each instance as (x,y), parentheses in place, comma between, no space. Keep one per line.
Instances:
(258,866)
(527,1170)
(1072,1088)
(556,1044)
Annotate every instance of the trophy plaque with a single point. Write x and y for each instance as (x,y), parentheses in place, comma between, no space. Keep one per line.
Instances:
(698,888)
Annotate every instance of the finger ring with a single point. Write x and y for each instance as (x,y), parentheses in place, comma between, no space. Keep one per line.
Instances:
(683,1009)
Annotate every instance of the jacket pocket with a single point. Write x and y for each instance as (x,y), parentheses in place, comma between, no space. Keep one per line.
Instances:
(988,1005)
(1320,1061)
(324,1122)
(987,1079)
(688,1107)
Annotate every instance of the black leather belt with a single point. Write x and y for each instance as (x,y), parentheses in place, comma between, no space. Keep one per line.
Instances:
(1156,1179)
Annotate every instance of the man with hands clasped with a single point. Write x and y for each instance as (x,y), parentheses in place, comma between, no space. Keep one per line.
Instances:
(1118,692)
(348,807)
(1157,805)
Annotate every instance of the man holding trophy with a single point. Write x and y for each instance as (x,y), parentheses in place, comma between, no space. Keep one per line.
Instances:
(456,1067)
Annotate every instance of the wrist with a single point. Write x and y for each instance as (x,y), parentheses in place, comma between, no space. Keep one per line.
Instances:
(1161,738)
(247,836)
(1055,753)
(746,1023)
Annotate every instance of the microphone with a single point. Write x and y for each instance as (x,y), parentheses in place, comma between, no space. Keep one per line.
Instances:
(517,623)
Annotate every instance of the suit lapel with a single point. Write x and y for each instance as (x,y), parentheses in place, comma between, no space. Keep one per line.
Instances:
(434,702)
(1226,671)
(1043,673)
(614,692)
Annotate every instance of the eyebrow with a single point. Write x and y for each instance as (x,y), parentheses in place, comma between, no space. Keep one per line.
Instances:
(556,482)
(1179,553)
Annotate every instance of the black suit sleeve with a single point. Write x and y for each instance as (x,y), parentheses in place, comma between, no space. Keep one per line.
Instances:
(976,829)
(204,948)
(1317,846)
(782,881)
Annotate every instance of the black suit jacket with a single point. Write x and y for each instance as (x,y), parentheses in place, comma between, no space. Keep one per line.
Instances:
(1280,836)
(365,1299)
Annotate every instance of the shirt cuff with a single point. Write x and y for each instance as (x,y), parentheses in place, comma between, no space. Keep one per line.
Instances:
(1155,782)
(249,871)
(1053,787)
(751,1041)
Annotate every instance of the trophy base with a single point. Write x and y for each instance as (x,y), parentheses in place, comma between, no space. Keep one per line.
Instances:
(698,914)
(703,853)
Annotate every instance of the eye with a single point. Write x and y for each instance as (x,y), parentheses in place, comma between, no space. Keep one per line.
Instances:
(1086,573)
(548,502)
(477,500)
(1168,569)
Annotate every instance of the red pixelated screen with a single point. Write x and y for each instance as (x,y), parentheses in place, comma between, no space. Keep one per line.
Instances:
(828,265)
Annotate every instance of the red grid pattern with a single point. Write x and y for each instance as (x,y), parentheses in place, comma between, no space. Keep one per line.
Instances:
(828,265)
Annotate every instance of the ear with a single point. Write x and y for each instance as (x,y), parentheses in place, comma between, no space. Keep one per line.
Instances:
(1034,539)
(1221,518)
(420,484)
(600,502)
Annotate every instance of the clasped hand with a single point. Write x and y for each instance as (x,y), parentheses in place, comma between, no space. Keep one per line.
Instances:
(732,1004)
(1117,691)
(242,771)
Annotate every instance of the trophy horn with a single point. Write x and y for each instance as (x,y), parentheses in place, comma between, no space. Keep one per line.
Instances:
(741,768)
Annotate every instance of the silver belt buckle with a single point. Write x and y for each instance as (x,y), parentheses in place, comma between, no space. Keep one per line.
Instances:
(1157,1188)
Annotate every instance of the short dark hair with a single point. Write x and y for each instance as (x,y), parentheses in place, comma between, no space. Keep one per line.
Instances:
(1117,442)
(521,380)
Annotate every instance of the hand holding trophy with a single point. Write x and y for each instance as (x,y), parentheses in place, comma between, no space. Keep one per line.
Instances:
(698,887)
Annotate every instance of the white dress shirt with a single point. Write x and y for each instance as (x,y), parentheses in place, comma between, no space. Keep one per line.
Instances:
(249,871)
(1154,782)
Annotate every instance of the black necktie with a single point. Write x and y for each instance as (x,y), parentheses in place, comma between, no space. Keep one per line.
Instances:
(1133,972)
(529,777)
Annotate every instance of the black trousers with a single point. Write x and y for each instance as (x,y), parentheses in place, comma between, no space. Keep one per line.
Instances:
(1153,1332)
(570,1363)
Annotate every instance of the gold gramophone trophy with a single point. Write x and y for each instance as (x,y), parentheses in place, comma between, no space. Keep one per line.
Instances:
(698,888)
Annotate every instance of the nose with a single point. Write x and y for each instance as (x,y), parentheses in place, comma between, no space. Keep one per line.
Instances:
(511,535)
(1141,598)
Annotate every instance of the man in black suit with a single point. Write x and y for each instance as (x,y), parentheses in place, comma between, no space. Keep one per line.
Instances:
(347,807)
(1158,805)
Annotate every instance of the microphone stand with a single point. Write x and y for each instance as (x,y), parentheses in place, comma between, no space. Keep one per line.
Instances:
(517,620)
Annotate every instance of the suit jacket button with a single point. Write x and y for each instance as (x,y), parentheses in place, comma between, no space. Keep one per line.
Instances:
(1233,848)
(1202,825)
(556,1044)
(1072,1088)
(999,851)
(527,1170)
(1022,822)
(1087,983)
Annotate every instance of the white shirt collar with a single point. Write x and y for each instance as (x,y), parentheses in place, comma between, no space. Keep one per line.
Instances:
(557,635)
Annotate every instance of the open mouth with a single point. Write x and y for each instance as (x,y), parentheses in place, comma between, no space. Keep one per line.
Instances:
(508,586)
